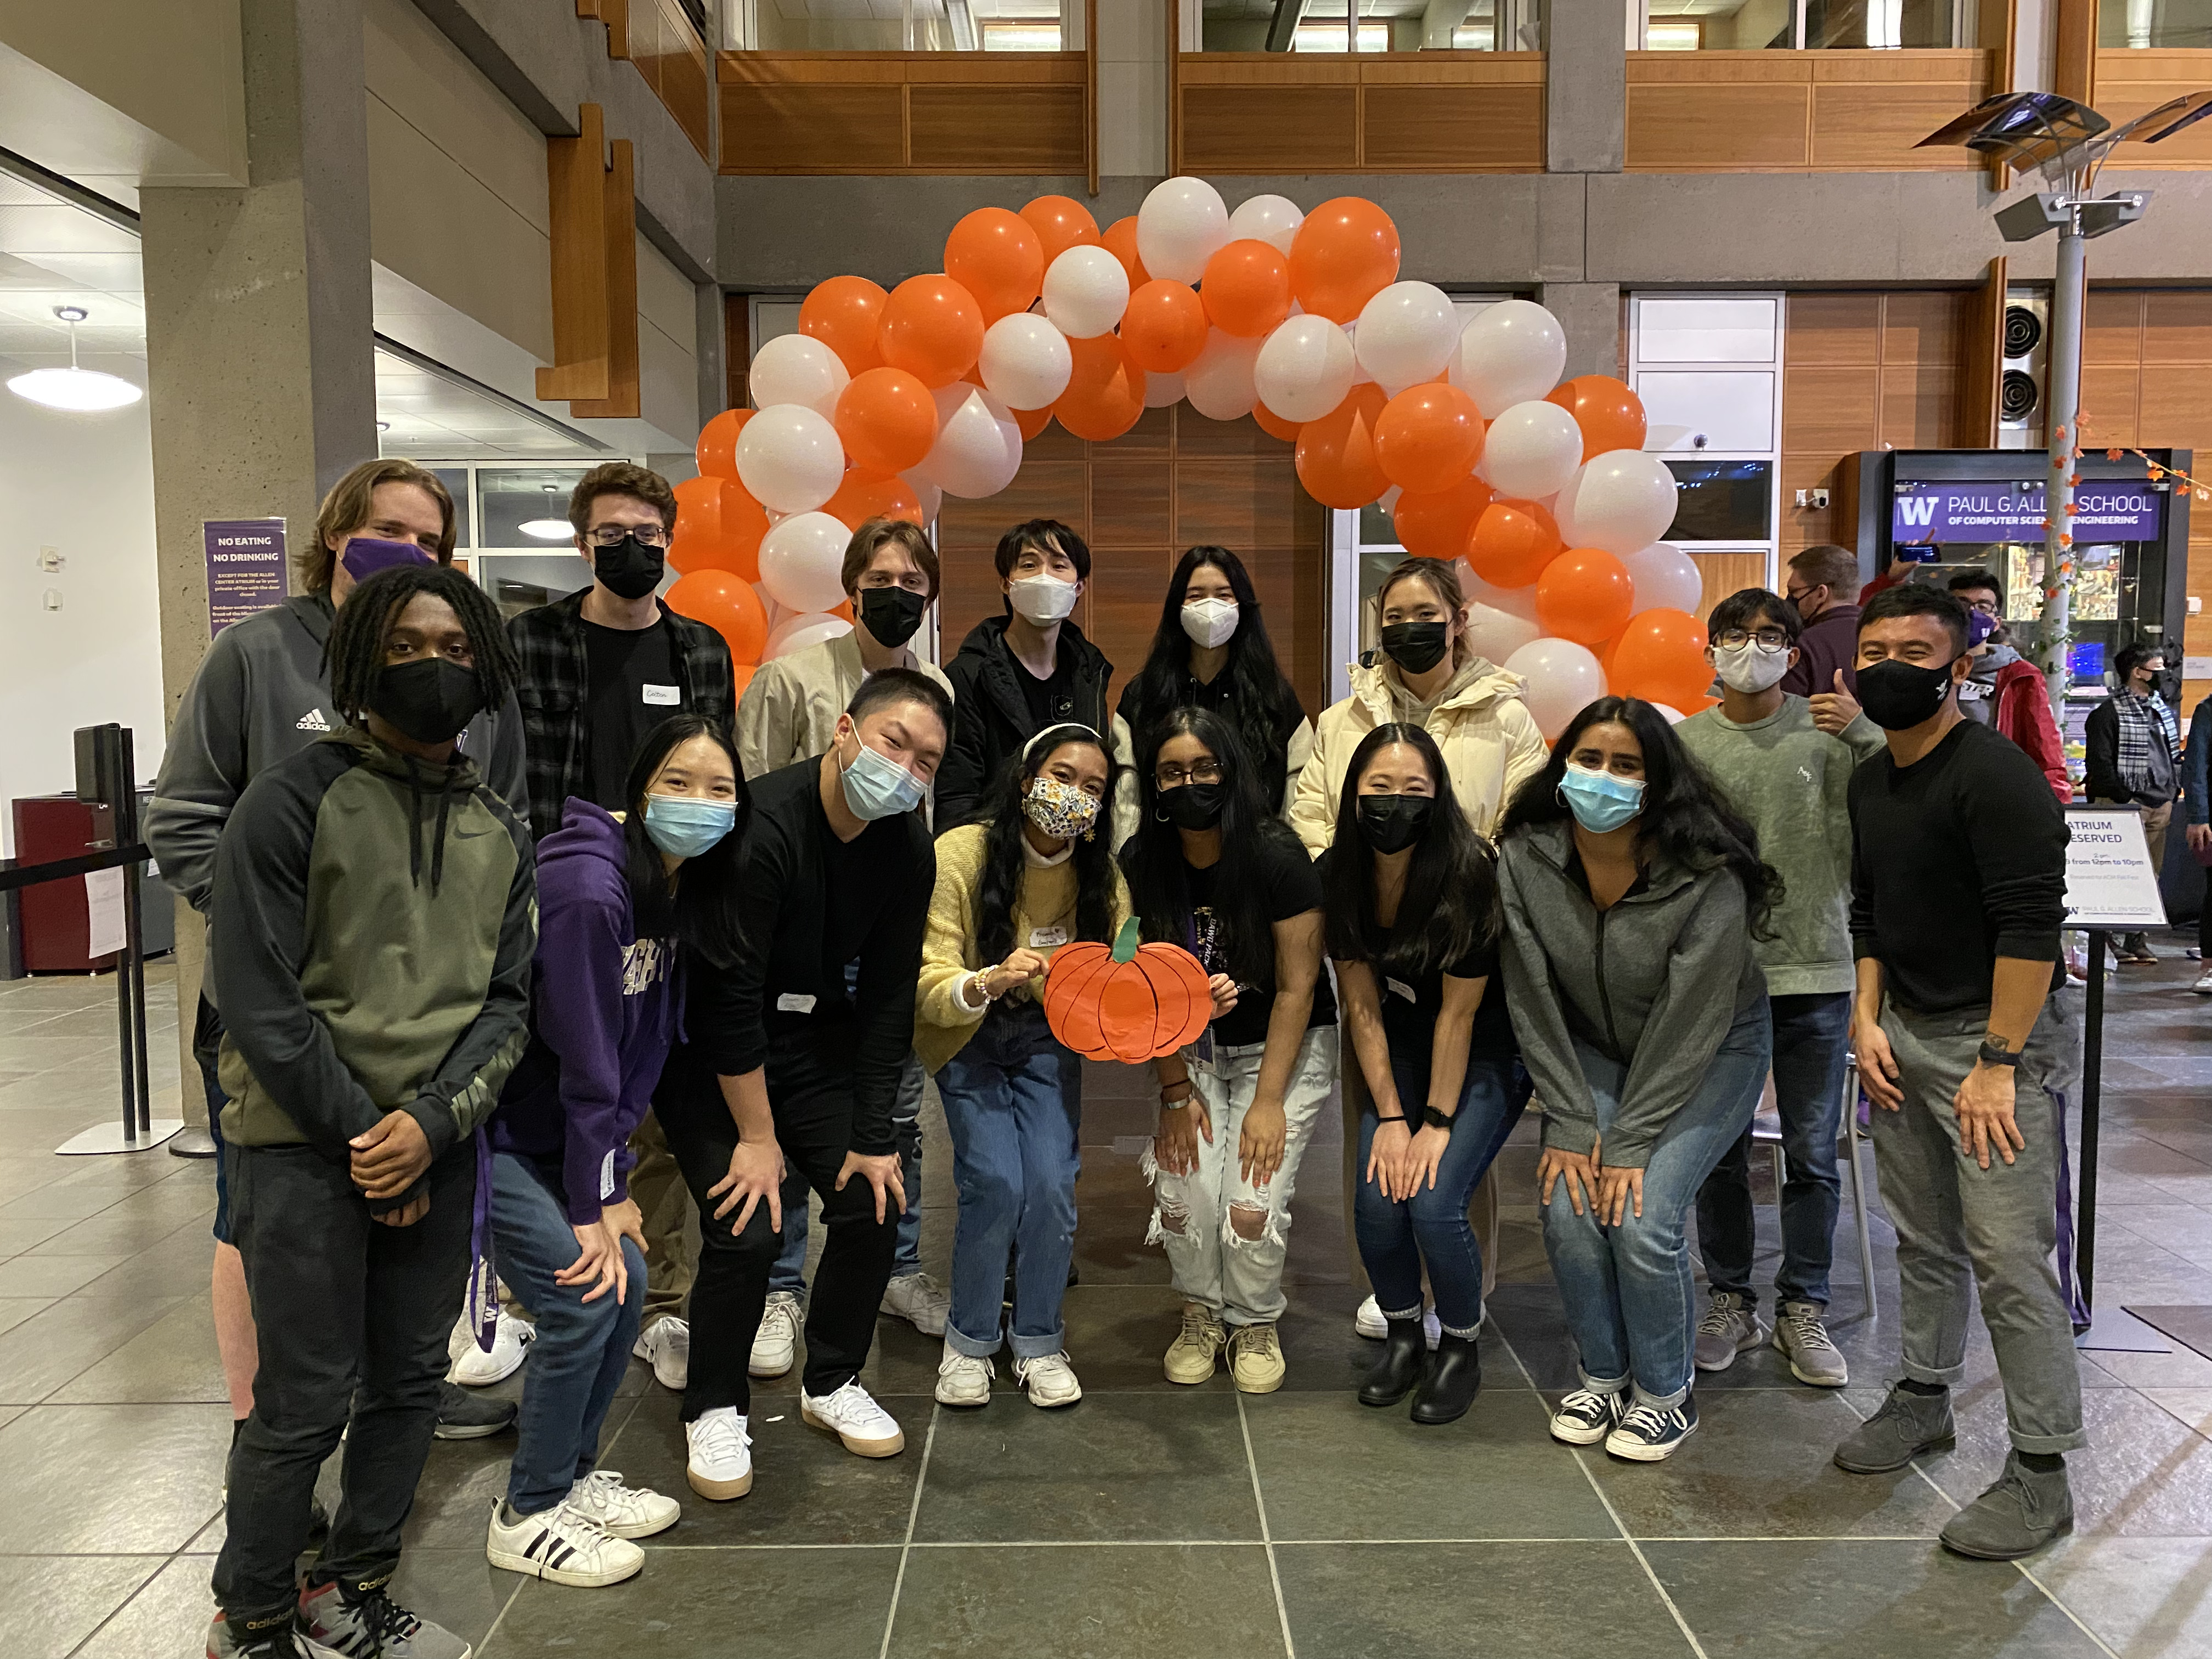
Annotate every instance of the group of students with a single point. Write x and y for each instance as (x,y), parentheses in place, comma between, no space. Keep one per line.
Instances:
(541,949)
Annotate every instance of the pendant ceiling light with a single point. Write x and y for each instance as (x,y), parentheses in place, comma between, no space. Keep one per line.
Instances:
(81,391)
(550,528)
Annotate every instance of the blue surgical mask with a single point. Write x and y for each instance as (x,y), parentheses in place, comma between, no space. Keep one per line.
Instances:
(1601,801)
(683,828)
(876,786)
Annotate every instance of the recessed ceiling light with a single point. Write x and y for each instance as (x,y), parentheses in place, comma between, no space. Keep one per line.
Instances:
(79,390)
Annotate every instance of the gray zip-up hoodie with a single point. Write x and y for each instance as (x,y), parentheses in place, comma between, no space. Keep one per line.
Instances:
(261,696)
(1655,983)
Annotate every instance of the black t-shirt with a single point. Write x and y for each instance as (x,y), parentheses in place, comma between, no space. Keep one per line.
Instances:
(1220,696)
(1411,1003)
(630,687)
(1292,886)
(1051,700)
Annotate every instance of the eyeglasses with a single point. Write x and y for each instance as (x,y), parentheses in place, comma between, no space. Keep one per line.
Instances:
(1767,639)
(1987,607)
(613,535)
(1174,777)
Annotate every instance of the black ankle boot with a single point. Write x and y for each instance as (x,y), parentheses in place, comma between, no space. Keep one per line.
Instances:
(1453,1379)
(1399,1368)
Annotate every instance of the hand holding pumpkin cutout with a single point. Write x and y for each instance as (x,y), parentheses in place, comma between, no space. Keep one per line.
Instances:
(1132,1002)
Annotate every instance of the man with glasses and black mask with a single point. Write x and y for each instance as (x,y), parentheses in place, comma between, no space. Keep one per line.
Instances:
(2135,757)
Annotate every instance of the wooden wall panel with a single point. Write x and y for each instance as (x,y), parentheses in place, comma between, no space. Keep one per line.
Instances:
(1479,128)
(992,129)
(1130,504)
(904,113)
(1431,111)
(778,129)
(1729,573)
(1254,502)
(1719,129)
(1982,360)
(1796,112)
(1270,129)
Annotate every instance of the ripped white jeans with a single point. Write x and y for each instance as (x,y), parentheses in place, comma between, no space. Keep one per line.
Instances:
(1227,1238)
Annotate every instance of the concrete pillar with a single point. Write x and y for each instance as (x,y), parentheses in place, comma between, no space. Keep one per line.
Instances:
(1591,313)
(1585,86)
(259,336)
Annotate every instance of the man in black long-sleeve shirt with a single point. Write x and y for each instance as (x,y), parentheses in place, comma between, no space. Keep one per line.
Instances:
(1958,893)
(783,1063)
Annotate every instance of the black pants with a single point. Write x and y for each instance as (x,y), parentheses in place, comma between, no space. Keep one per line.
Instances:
(353,1317)
(810,1089)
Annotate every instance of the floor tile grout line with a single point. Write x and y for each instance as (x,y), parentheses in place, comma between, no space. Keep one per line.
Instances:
(483,1648)
(1266,1538)
(905,1546)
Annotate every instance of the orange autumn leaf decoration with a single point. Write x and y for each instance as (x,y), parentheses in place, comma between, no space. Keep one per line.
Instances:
(1131,1002)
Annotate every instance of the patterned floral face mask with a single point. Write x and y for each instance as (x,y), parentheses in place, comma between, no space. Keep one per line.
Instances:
(1060,809)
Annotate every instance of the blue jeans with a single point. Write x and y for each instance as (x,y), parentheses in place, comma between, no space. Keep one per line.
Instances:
(1013,1102)
(582,1347)
(1627,1289)
(1812,1035)
(789,1272)
(1396,1238)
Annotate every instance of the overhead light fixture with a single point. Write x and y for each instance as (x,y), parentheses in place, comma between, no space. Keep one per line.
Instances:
(79,390)
(550,528)
(384,426)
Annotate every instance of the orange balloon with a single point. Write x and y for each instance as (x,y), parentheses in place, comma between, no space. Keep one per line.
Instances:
(998,258)
(1343,256)
(1660,657)
(742,673)
(1435,527)
(1031,421)
(1274,424)
(1164,330)
(864,496)
(886,420)
(717,450)
(1105,394)
(1336,453)
(718,527)
(933,328)
(1427,438)
(1584,595)
(843,313)
(1609,414)
(1247,289)
(1120,241)
(1062,223)
(726,604)
(1512,543)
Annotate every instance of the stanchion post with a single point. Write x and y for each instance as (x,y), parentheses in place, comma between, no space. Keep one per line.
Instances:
(2093,1065)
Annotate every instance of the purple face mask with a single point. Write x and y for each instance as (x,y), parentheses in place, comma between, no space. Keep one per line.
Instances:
(1980,626)
(365,556)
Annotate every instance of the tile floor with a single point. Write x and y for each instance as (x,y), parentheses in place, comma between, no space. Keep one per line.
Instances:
(1149,1520)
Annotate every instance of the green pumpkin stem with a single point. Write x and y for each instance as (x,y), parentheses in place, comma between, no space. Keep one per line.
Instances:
(1124,942)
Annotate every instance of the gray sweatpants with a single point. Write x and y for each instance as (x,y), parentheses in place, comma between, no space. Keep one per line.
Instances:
(1959,1225)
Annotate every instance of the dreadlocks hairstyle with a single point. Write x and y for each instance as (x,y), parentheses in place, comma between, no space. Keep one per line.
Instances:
(706,916)
(1004,864)
(354,656)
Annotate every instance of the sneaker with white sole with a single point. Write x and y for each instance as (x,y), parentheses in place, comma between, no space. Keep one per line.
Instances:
(563,1545)
(720,1465)
(851,1414)
(626,1512)
(1801,1335)
(1649,1433)
(1586,1416)
(964,1379)
(510,1347)
(1731,1326)
(360,1619)
(666,1345)
(1369,1323)
(2203,986)
(281,1639)
(919,1300)
(1255,1359)
(777,1340)
(1191,1356)
(1050,1379)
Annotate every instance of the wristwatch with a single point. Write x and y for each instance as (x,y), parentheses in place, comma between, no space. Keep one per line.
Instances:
(1433,1118)
(1994,1053)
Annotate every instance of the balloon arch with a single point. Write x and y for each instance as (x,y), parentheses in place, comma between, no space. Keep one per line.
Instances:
(885,403)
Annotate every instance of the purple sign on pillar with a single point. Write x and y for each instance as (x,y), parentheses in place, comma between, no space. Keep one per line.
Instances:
(244,568)
(2105,510)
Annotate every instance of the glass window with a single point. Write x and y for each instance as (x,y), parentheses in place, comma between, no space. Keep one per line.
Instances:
(2143,24)
(1774,25)
(1723,500)
(456,480)
(1321,26)
(524,507)
(897,26)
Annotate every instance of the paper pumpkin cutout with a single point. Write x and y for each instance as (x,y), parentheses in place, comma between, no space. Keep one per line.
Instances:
(1130,1003)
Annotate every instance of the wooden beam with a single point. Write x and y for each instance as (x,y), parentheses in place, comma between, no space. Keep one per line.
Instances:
(1090,88)
(2073,71)
(1175,87)
(1981,361)
(576,190)
(620,185)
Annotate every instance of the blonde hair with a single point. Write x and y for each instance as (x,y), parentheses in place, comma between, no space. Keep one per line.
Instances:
(348,505)
(1442,581)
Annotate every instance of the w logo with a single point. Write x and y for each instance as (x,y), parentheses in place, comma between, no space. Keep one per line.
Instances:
(1918,511)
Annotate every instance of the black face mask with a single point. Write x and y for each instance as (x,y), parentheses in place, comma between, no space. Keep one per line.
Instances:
(1416,647)
(430,700)
(891,614)
(1391,824)
(1898,695)
(629,569)
(1192,806)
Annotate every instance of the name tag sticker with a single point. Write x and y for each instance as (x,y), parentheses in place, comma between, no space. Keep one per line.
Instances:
(1045,939)
(664,697)
(1397,988)
(794,1002)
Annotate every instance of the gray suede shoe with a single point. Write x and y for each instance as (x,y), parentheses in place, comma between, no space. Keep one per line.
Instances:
(1907,1425)
(2022,1512)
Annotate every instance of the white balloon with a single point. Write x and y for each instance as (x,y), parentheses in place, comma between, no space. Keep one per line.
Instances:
(1564,679)
(799,630)
(1025,361)
(1497,635)
(1179,227)
(931,497)
(797,368)
(1273,220)
(1085,292)
(1664,575)
(802,562)
(1407,333)
(1161,389)
(1621,501)
(789,457)
(1509,354)
(1388,501)
(1219,382)
(1530,451)
(1672,716)
(1305,368)
(1360,374)
(1513,601)
(979,446)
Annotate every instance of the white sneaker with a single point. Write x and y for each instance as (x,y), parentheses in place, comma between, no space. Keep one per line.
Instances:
(720,1465)
(963,1379)
(919,1300)
(1050,1380)
(510,1345)
(625,1511)
(1369,1323)
(666,1345)
(777,1338)
(854,1416)
(563,1547)
(2203,986)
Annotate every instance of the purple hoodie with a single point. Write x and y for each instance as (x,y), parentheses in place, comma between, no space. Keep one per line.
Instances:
(604,1011)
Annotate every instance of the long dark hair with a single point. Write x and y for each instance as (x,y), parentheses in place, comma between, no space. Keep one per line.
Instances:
(705,917)
(354,653)
(1263,707)
(1004,861)
(1687,819)
(1159,890)
(1450,905)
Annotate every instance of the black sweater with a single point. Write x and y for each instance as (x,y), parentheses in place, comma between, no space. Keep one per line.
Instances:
(1956,860)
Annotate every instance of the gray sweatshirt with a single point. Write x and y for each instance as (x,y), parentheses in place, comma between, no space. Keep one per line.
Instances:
(262,695)
(1655,983)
